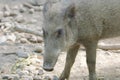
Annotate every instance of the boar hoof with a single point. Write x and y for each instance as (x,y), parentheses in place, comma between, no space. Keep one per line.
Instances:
(63,78)
(92,77)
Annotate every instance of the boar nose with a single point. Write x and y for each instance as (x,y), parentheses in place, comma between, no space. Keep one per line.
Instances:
(47,67)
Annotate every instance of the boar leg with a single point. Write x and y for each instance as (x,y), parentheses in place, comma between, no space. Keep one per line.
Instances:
(91,58)
(71,55)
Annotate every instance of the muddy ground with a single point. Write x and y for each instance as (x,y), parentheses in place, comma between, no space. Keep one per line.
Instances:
(21,52)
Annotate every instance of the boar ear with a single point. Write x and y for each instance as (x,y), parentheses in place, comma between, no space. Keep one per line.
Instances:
(46,6)
(70,11)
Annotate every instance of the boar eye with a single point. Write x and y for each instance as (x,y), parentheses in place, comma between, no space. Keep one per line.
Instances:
(59,33)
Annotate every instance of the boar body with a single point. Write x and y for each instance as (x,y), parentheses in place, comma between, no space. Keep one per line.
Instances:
(69,23)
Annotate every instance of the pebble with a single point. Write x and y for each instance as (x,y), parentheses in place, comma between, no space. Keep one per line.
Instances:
(22,52)
(40,72)
(23,40)
(16,7)
(38,49)
(37,77)
(47,78)
(7,24)
(6,13)
(11,37)
(31,11)
(33,39)
(20,19)
(10,77)
(25,77)
(1,14)
(21,73)
(0,77)
(6,8)
(30,68)
(13,13)
(39,39)
(21,9)
(32,21)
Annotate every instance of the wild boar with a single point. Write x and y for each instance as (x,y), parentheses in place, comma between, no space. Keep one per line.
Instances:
(69,23)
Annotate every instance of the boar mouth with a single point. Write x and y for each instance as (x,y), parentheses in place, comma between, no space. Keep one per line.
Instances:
(47,67)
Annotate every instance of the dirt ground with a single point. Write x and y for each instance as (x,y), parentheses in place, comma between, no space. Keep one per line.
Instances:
(108,61)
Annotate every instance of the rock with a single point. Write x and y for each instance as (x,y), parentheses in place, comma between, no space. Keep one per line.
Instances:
(3,39)
(13,13)
(23,40)
(6,13)
(22,52)
(37,77)
(38,49)
(47,78)
(11,37)
(33,39)
(31,11)
(22,73)
(25,77)
(55,78)
(16,7)
(37,2)
(40,8)
(20,19)
(32,21)
(6,8)
(22,9)
(10,77)
(39,39)
(40,72)
(0,77)
(7,24)
(1,14)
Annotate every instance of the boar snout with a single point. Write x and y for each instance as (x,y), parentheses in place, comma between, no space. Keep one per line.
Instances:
(47,66)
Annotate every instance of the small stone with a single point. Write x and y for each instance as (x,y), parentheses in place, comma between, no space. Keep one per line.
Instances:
(38,8)
(21,9)
(20,19)
(38,49)
(7,24)
(41,7)
(31,11)
(11,37)
(22,52)
(40,72)
(47,78)
(30,68)
(39,39)
(23,40)
(21,73)
(1,14)
(0,77)
(37,78)
(13,13)
(6,13)
(33,39)
(10,77)
(6,8)
(16,7)
(55,78)
(25,77)
(32,21)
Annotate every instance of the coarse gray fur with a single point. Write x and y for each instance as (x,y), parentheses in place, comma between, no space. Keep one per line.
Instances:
(69,23)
